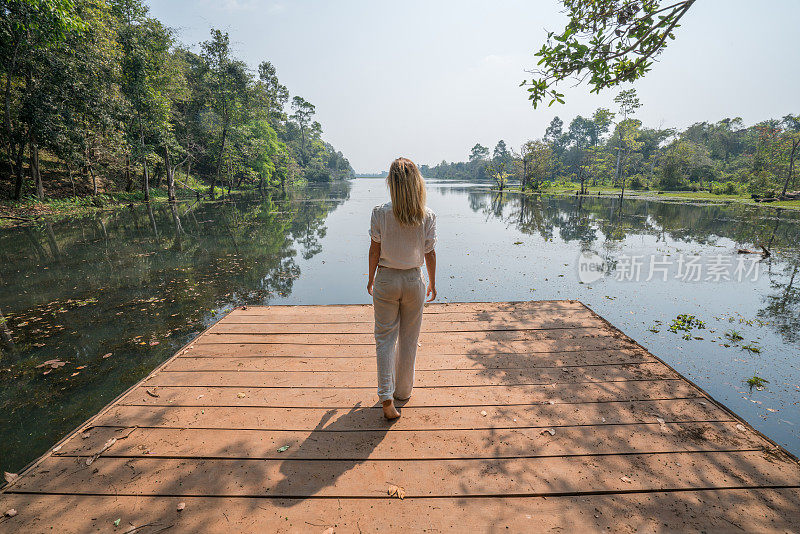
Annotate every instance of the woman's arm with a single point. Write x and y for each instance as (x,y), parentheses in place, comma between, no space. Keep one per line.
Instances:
(374,256)
(430,263)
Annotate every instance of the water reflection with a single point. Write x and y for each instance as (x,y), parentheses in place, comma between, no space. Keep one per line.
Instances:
(135,284)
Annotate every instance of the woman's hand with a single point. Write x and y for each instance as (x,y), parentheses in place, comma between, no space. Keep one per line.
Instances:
(431,292)
(369,287)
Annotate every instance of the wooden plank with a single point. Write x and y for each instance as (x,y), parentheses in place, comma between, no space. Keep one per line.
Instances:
(750,510)
(368,327)
(370,478)
(420,418)
(475,339)
(201,348)
(336,444)
(365,316)
(519,308)
(491,377)
(439,396)
(348,364)
(423,379)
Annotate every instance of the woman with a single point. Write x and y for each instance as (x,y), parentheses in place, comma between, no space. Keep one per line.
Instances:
(403,234)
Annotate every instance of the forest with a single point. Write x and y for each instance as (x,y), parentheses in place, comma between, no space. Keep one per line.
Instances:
(612,148)
(99,98)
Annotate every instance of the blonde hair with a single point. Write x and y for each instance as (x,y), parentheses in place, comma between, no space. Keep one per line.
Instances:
(407,190)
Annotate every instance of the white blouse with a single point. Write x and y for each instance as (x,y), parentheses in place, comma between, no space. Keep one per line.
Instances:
(402,247)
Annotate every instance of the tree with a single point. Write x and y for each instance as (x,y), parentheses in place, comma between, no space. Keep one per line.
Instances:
(498,170)
(628,104)
(100,88)
(28,28)
(627,143)
(791,137)
(227,81)
(601,121)
(501,152)
(684,161)
(478,153)
(303,112)
(539,161)
(275,95)
(145,46)
(608,41)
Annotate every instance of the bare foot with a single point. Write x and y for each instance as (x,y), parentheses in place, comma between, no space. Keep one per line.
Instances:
(389,411)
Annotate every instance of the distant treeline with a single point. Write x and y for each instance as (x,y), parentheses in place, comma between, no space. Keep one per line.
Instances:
(99,97)
(614,149)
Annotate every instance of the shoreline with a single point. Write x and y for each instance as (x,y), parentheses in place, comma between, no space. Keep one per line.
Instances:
(14,213)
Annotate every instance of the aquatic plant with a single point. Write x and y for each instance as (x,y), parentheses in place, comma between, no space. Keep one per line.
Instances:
(757,382)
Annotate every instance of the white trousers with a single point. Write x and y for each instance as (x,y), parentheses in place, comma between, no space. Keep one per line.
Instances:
(398,297)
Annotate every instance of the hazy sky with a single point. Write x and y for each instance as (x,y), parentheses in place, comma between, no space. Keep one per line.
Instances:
(428,79)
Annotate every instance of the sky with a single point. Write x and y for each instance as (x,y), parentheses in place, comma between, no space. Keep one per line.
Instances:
(427,79)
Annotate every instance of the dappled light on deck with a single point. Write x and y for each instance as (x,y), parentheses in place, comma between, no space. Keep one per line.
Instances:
(524,415)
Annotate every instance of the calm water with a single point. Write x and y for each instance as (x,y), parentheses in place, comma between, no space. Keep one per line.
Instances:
(138,284)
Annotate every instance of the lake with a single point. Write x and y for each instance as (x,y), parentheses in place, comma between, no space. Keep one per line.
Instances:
(113,295)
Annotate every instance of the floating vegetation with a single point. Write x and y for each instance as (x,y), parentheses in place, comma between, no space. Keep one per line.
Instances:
(742,320)
(752,347)
(686,323)
(733,336)
(757,382)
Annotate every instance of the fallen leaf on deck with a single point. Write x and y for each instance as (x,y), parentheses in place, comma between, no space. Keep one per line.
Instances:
(626,479)
(548,431)
(10,513)
(181,506)
(116,523)
(56,449)
(152,392)
(740,427)
(10,477)
(328,530)
(662,424)
(240,395)
(283,449)
(483,413)
(397,491)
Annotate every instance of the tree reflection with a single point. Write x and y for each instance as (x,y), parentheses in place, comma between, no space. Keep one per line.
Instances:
(783,307)
(609,221)
(135,283)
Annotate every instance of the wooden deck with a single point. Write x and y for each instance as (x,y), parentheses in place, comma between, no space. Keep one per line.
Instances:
(530,416)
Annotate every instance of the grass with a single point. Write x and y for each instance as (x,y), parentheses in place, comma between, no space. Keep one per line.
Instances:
(755,349)
(594,190)
(30,209)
